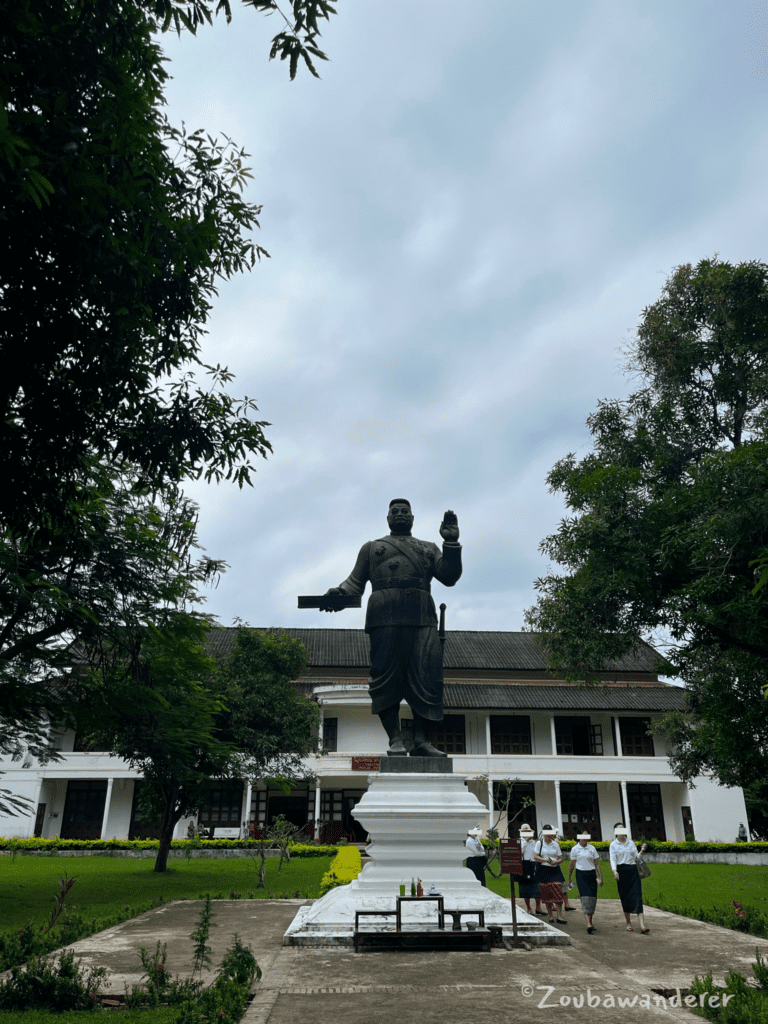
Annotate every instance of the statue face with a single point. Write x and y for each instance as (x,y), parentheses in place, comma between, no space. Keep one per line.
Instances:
(400,519)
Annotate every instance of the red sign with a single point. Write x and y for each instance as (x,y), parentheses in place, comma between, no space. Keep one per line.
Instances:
(511,857)
(365,764)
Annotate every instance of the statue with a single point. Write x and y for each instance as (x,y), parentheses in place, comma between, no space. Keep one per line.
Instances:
(401,622)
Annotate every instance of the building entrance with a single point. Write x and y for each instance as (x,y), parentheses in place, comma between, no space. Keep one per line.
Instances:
(84,809)
(646,814)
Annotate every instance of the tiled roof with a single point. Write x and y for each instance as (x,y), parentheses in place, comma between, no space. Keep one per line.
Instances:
(566,698)
(464,649)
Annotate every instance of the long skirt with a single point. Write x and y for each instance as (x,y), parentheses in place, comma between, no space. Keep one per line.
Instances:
(630,889)
(550,881)
(587,883)
(477,866)
(528,882)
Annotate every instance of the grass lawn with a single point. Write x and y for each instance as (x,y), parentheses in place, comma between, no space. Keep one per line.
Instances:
(106,886)
(693,886)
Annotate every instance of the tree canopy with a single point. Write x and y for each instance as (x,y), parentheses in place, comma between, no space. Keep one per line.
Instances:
(668,526)
(116,227)
(184,721)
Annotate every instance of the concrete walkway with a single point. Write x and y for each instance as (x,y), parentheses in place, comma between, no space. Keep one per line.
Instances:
(321,985)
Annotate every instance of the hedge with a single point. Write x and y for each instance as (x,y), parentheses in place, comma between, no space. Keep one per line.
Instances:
(657,846)
(343,868)
(52,845)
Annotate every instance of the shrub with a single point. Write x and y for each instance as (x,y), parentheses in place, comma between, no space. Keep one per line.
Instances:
(343,868)
(42,985)
(52,846)
(745,1005)
(747,919)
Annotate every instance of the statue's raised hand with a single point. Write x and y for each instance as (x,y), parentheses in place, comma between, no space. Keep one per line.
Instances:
(449,528)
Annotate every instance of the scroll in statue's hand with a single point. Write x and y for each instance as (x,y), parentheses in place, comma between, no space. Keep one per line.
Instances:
(332,606)
(449,528)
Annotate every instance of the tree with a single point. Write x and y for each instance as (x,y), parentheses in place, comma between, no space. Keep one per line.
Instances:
(184,721)
(503,798)
(668,530)
(128,560)
(116,226)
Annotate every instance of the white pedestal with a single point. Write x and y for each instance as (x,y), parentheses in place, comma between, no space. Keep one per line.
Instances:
(418,826)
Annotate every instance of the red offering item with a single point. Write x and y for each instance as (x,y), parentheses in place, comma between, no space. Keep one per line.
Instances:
(419,888)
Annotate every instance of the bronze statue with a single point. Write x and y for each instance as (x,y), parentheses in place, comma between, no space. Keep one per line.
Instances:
(401,622)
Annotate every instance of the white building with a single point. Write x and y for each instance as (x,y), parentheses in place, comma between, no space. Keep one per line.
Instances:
(582,754)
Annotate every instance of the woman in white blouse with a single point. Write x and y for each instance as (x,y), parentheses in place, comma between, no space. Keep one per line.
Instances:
(529,887)
(586,860)
(623,854)
(549,857)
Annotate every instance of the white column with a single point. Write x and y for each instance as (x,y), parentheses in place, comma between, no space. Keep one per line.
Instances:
(617,740)
(488,735)
(625,808)
(491,808)
(247,810)
(554,734)
(107,805)
(320,729)
(558,805)
(318,791)
(38,790)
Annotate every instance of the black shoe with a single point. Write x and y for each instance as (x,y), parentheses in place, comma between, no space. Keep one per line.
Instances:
(560,920)
(426,750)
(570,908)
(591,931)
(397,748)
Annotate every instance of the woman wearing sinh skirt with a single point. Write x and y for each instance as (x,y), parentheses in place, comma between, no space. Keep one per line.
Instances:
(586,860)
(623,854)
(529,887)
(549,857)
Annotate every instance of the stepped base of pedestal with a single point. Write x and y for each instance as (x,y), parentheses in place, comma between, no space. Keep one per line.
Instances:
(330,921)
(417,823)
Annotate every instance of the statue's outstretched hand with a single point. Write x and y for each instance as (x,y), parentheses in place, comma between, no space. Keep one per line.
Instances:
(331,607)
(449,528)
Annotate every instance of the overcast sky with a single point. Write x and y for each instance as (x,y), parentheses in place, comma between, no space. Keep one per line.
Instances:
(466,216)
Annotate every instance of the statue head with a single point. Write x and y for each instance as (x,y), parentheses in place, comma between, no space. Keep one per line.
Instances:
(400,517)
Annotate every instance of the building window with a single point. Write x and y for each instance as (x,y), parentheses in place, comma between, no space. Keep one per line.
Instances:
(510,734)
(330,735)
(646,815)
(580,809)
(331,805)
(596,740)
(577,736)
(448,735)
(521,807)
(635,741)
(140,827)
(225,806)
(84,809)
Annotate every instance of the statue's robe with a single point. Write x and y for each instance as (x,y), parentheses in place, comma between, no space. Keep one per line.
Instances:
(401,621)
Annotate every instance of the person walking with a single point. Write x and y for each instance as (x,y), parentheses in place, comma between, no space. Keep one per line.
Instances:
(623,855)
(549,857)
(477,859)
(529,886)
(586,861)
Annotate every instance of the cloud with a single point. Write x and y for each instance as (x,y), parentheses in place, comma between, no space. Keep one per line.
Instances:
(466,217)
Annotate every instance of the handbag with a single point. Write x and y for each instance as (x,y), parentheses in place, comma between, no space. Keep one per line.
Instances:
(642,868)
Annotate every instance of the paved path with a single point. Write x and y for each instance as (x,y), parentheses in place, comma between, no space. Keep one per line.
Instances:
(321,985)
